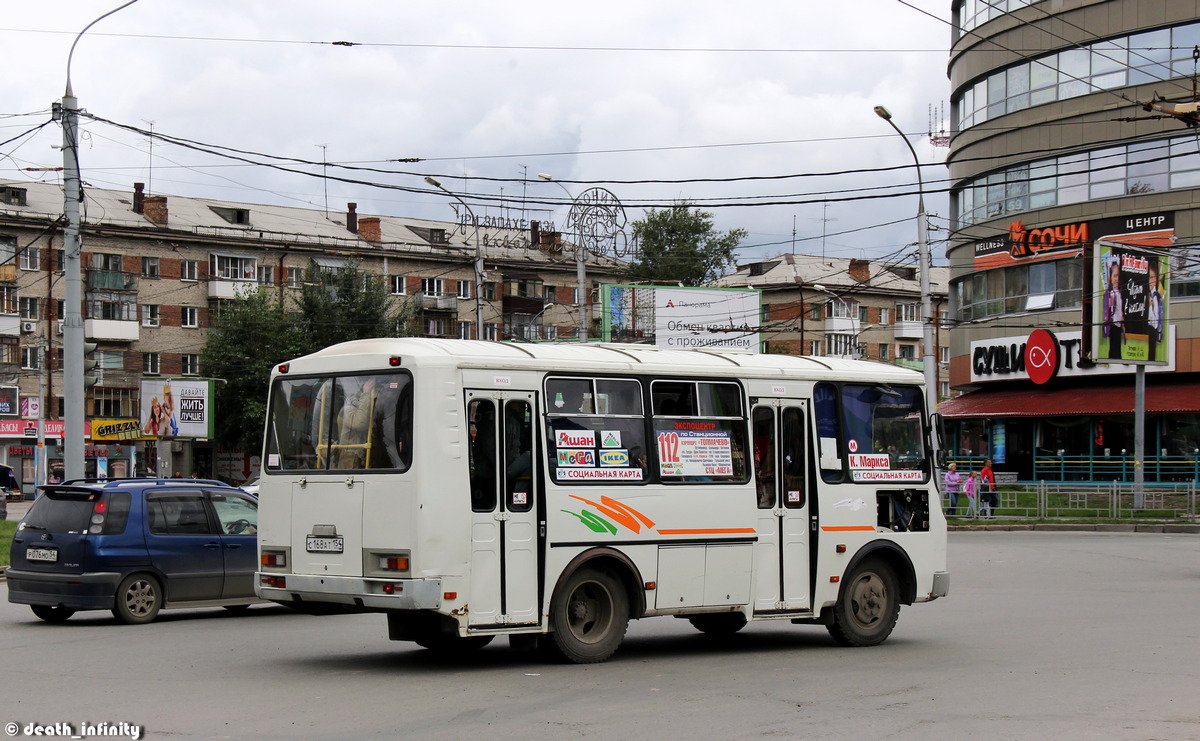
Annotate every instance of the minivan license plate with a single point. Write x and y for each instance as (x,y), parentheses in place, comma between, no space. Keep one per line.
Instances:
(324,545)
(41,554)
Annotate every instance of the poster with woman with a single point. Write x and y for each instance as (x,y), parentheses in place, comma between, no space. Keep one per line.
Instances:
(1130,306)
(176,408)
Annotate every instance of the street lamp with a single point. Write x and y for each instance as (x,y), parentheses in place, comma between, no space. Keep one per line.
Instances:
(929,359)
(73,340)
(478,257)
(585,312)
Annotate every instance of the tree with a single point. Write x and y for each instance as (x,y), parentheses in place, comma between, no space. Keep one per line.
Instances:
(343,304)
(247,337)
(254,332)
(679,245)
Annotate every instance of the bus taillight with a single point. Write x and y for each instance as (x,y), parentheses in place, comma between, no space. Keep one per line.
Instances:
(394,563)
(276,559)
(271,580)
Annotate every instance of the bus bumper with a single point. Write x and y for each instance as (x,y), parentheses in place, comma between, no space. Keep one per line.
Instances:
(351,591)
(941,584)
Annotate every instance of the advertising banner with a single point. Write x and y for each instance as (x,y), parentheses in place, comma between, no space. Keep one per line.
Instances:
(1130,306)
(176,407)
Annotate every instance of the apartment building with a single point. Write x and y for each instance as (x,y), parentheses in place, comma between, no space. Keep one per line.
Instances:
(157,268)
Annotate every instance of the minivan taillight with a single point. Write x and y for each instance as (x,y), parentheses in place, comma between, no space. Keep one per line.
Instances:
(98,511)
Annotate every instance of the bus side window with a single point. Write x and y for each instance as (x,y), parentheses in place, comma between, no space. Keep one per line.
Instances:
(481,414)
(763,425)
(792,459)
(518,456)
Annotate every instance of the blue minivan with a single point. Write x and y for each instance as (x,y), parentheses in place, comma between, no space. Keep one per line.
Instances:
(134,546)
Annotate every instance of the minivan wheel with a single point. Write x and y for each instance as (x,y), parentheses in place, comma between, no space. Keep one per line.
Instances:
(139,599)
(52,613)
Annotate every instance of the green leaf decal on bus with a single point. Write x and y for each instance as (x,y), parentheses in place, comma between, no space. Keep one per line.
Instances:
(594,522)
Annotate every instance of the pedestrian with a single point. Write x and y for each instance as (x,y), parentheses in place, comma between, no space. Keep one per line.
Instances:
(953,484)
(989,500)
(969,487)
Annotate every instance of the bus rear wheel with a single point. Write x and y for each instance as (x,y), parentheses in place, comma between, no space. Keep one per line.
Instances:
(589,616)
(868,605)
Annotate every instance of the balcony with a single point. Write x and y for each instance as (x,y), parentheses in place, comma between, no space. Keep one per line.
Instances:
(908,330)
(112,330)
(221,288)
(111,280)
(437,303)
(10,325)
(8,273)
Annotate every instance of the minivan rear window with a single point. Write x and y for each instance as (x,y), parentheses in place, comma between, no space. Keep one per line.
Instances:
(61,511)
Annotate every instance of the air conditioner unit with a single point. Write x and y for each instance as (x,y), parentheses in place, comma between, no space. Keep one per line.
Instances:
(28,327)
(58,327)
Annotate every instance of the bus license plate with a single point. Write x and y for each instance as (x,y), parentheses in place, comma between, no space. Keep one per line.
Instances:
(49,555)
(325,545)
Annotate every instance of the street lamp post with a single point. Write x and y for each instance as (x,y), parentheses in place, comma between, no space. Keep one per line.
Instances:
(930,360)
(585,299)
(73,339)
(478,257)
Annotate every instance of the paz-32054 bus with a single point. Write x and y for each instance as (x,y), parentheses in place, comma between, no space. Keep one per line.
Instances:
(553,492)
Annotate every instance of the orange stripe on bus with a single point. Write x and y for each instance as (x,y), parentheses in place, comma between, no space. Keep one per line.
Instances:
(707,531)
(848,528)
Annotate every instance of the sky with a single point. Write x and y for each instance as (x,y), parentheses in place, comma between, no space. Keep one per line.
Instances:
(742,109)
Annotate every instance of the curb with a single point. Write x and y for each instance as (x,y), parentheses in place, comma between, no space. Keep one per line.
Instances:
(1073,527)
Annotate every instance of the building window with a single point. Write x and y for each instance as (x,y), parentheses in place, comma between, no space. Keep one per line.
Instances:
(189,316)
(114,402)
(150,315)
(883,351)
(885,316)
(29,307)
(434,287)
(31,258)
(150,267)
(1152,56)
(864,313)
(1039,286)
(109,359)
(549,294)
(11,196)
(118,307)
(527,288)
(229,267)
(295,277)
(9,300)
(436,327)
(841,345)
(814,347)
(190,364)
(549,332)
(464,289)
(489,291)
(908,352)
(187,270)
(150,364)
(266,275)
(464,330)
(943,355)
(489,332)
(31,358)
(908,312)
(398,285)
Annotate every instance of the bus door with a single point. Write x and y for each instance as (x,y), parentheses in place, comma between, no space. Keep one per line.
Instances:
(781,558)
(504,525)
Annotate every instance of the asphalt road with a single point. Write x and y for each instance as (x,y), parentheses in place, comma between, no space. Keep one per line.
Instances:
(1044,635)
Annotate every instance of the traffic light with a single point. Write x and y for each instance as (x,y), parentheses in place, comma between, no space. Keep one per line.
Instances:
(89,365)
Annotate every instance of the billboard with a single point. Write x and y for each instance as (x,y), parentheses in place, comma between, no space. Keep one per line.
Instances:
(1130,304)
(679,318)
(176,407)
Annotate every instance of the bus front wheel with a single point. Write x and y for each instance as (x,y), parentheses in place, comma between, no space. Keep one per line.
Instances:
(589,616)
(867,607)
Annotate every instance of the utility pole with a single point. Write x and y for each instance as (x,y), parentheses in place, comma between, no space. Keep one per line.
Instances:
(478,257)
(73,339)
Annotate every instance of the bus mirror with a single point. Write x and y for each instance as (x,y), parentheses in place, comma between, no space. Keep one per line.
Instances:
(937,426)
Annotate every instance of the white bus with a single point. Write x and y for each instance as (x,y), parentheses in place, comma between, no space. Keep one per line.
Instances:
(553,492)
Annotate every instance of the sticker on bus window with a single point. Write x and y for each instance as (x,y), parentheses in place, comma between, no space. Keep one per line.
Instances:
(577,458)
(610,438)
(899,474)
(872,461)
(520,499)
(575,439)
(614,457)
(695,453)
(793,496)
(595,474)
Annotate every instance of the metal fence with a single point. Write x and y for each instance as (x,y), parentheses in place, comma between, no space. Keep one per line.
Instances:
(1092,469)
(1048,500)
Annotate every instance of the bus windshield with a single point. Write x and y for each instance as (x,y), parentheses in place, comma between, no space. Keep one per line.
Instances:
(340,423)
(870,426)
